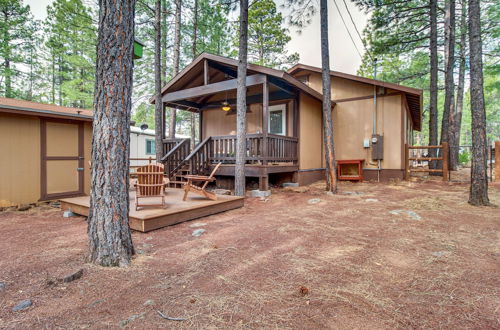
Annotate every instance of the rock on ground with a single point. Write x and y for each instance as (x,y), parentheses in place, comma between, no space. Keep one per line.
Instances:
(314,201)
(22,305)
(198,232)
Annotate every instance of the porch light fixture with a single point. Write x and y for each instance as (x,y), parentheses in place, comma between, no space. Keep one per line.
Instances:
(225,106)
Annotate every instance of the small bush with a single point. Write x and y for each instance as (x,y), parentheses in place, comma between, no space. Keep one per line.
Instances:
(463,157)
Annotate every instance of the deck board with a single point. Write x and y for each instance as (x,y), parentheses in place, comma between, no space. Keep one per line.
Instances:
(176,211)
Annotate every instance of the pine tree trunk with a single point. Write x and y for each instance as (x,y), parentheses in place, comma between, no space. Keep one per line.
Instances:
(449,102)
(164,28)
(176,60)
(158,101)
(433,88)
(331,178)
(241,104)
(479,180)
(457,117)
(8,79)
(110,242)
(194,50)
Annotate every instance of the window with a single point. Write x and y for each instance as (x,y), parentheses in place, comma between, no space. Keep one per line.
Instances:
(277,119)
(150,147)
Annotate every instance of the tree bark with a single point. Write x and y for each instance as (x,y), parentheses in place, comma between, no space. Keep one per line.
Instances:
(164,28)
(176,60)
(433,88)
(331,178)
(110,242)
(194,50)
(449,31)
(241,105)
(158,102)
(457,116)
(479,180)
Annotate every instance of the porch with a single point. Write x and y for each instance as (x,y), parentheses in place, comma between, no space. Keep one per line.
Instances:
(207,88)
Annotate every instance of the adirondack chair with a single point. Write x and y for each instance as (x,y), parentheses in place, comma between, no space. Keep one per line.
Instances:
(189,186)
(150,183)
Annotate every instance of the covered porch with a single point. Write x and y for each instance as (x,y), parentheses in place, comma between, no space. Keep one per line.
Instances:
(208,87)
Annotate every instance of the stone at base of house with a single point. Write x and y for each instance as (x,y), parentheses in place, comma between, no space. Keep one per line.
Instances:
(260,193)
(290,184)
(68,214)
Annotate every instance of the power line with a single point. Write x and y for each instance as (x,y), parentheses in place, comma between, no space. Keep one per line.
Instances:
(348,32)
(357,31)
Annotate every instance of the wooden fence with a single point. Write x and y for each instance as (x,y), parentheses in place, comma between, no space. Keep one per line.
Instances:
(441,161)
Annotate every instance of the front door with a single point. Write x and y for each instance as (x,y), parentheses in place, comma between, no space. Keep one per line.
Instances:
(62,158)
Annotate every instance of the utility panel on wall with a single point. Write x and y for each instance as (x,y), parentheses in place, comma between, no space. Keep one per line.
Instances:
(377,147)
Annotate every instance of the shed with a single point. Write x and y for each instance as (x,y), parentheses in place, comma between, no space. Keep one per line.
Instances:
(45,151)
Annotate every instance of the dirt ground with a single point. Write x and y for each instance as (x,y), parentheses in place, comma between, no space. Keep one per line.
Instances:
(296,260)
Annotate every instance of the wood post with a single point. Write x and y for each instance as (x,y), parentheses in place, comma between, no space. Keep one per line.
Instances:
(407,165)
(265,115)
(264,183)
(497,161)
(446,159)
(205,73)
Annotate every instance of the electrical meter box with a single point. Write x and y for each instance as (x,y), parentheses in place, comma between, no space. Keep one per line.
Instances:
(377,147)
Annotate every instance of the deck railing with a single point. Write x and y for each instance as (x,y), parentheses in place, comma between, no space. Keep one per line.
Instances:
(174,159)
(279,149)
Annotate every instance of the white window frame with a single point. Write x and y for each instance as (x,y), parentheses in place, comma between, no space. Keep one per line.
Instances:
(277,107)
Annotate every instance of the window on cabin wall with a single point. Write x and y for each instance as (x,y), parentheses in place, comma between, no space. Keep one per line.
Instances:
(277,119)
(150,147)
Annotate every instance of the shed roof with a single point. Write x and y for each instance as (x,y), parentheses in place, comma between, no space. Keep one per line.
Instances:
(42,109)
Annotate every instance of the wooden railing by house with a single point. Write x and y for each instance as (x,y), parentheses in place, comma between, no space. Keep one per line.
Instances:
(222,149)
(174,159)
(279,149)
(169,144)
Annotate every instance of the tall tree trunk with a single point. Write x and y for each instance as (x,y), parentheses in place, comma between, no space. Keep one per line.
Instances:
(164,28)
(110,242)
(449,84)
(195,52)
(241,103)
(176,60)
(433,88)
(331,179)
(53,87)
(457,117)
(479,180)
(158,101)
(8,78)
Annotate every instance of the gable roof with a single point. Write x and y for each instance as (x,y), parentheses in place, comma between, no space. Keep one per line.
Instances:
(43,109)
(413,95)
(280,74)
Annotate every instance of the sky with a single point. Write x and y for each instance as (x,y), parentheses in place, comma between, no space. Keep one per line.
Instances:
(343,54)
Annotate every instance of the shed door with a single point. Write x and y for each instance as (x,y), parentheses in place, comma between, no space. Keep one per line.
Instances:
(62,159)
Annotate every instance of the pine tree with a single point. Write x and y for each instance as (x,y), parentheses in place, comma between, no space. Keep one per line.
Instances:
(267,37)
(110,241)
(71,41)
(17,38)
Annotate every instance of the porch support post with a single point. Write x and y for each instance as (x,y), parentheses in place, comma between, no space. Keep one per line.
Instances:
(163,128)
(296,117)
(264,183)
(205,72)
(200,125)
(265,116)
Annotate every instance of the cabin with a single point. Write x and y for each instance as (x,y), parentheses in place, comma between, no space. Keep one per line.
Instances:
(45,149)
(372,122)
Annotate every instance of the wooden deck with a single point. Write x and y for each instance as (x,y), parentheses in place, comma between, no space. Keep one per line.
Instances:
(176,211)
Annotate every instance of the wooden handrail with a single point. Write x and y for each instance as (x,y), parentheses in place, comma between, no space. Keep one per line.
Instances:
(174,149)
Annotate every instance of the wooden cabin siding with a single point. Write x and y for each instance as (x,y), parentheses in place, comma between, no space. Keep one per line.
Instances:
(20,160)
(87,134)
(216,122)
(311,136)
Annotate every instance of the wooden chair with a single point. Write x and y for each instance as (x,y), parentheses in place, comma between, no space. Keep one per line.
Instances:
(150,183)
(189,186)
